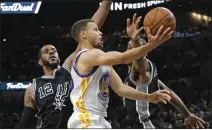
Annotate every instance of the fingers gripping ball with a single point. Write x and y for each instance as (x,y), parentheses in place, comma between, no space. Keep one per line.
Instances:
(157,17)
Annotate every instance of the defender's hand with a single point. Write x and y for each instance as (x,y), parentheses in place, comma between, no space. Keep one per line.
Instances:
(193,122)
(159,96)
(133,29)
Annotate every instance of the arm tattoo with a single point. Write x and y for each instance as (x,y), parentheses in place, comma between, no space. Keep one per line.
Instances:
(28,98)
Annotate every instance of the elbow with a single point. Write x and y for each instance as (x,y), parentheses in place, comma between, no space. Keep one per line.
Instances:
(119,91)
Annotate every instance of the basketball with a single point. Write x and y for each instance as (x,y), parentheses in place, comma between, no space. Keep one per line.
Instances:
(157,17)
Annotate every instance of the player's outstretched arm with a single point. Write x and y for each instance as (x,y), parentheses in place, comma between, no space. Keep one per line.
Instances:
(176,101)
(101,14)
(131,26)
(128,92)
(29,109)
(99,18)
(191,121)
(160,37)
(96,57)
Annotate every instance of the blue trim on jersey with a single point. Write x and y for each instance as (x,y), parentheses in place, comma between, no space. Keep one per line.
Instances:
(84,75)
(71,85)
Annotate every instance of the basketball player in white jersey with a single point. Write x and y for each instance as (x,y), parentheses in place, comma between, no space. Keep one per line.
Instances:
(143,77)
(92,75)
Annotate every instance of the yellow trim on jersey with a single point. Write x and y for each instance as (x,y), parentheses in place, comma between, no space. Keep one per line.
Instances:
(85,119)
(84,116)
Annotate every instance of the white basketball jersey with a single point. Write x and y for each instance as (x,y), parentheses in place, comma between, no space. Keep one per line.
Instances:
(90,92)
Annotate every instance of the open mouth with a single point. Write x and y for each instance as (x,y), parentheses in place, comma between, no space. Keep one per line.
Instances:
(102,41)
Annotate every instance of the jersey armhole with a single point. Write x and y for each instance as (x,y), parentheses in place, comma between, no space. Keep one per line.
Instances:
(67,69)
(74,67)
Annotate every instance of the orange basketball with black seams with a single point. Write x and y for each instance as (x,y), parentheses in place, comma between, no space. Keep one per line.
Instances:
(157,17)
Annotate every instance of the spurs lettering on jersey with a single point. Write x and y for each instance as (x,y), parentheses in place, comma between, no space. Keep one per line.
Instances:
(103,94)
(62,93)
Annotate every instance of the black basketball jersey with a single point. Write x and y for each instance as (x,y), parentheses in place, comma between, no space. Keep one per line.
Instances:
(52,99)
(144,110)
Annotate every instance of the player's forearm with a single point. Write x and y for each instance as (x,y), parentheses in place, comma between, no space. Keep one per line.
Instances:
(131,93)
(136,53)
(178,103)
(101,14)
(175,100)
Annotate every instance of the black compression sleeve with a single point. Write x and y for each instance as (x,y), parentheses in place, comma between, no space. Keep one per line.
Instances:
(27,116)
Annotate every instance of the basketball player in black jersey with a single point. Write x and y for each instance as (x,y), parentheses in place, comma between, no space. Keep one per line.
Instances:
(143,77)
(49,94)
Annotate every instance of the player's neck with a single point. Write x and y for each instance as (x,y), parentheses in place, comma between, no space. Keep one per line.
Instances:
(86,45)
(48,71)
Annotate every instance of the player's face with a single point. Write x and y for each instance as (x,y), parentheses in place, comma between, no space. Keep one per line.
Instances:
(94,35)
(49,57)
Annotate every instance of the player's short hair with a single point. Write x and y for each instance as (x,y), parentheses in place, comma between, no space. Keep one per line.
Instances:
(78,27)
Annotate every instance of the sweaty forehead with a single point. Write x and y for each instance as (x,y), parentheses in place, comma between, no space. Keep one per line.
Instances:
(47,47)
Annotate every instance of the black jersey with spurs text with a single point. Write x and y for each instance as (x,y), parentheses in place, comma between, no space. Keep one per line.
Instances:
(52,99)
